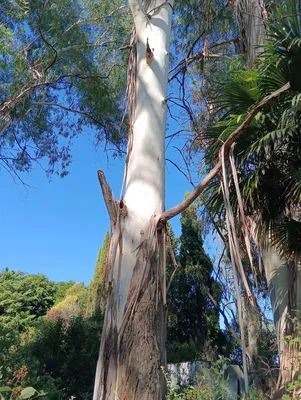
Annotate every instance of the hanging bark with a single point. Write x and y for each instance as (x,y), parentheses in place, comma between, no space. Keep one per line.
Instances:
(133,343)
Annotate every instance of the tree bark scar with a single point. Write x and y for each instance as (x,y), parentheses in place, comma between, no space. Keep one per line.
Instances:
(149,53)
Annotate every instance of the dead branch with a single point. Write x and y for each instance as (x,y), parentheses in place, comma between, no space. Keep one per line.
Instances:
(172,212)
(108,197)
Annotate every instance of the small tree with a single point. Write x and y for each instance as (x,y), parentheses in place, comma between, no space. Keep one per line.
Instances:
(97,291)
(24,298)
(193,322)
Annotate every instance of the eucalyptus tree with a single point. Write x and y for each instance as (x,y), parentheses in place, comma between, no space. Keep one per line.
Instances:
(75,51)
(63,58)
(129,361)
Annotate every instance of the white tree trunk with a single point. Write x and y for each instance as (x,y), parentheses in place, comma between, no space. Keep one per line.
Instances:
(133,343)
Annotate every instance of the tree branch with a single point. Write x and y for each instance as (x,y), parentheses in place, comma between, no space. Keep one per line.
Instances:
(172,212)
(183,64)
(108,197)
(180,170)
(26,91)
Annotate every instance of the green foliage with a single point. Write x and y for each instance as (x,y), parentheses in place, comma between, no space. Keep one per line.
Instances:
(55,356)
(293,348)
(59,359)
(10,342)
(70,305)
(23,298)
(60,72)
(61,289)
(193,327)
(17,388)
(65,356)
(97,291)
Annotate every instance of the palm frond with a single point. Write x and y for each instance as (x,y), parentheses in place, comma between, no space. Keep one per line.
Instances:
(268,153)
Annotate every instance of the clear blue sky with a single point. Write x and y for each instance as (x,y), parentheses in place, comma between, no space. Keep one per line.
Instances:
(57,227)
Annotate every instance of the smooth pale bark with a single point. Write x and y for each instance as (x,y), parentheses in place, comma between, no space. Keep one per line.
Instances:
(284,280)
(133,343)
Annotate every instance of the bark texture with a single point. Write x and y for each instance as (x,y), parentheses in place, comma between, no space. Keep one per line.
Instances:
(133,350)
(251,17)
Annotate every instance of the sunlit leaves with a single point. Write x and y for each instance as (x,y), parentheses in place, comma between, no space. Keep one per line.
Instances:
(61,70)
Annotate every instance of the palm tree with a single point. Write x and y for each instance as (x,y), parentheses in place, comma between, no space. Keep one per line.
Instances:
(267,158)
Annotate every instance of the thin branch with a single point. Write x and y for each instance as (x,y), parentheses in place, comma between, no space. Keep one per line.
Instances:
(85,114)
(187,166)
(155,10)
(45,103)
(52,48)
(172,135)
(226,148)
(183,64)
(233,40)
(93,44)
(5,164)
(221,311)
(26,91)
(187,61)
(195,43)
(219,263)
(180,170)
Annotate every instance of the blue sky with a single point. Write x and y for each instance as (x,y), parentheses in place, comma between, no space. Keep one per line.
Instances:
(57,227)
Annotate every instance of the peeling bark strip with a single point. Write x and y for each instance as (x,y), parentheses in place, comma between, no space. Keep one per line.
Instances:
(133,343)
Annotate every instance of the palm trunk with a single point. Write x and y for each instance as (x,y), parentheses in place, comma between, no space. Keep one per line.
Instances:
(284,279)
(133,343)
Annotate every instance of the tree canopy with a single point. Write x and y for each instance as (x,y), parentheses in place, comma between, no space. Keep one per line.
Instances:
(24,298)
(60,73)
